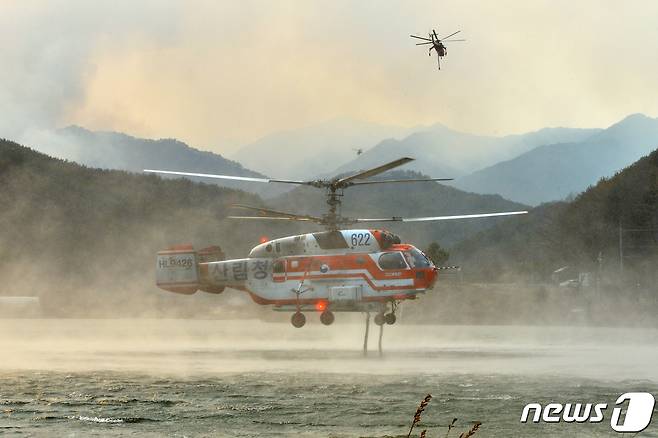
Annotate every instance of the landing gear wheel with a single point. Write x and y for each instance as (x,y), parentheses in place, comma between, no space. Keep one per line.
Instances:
(379,319)
(390,318)
(327,317)
(298,319)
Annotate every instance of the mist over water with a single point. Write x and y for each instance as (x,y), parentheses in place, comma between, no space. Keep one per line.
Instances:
(199,347)
(253,378)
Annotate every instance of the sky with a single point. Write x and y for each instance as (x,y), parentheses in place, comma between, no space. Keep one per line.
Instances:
(220,74)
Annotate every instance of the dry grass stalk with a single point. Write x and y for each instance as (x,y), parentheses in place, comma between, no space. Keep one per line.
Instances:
(450,426)
(471,431)
(417,417)
(419,412)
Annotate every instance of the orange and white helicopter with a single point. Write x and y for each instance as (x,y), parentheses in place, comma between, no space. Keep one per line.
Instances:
(336,270)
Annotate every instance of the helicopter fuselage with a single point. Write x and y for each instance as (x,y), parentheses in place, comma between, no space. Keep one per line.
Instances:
(340,270)
(440,49)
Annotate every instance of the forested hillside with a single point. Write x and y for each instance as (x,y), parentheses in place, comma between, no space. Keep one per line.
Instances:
(85,239)
(584,234)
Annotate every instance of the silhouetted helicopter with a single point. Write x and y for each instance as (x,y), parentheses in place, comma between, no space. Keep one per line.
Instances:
(437,44)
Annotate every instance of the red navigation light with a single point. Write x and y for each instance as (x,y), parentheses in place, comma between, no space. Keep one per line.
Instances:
(320,306)
(263,239)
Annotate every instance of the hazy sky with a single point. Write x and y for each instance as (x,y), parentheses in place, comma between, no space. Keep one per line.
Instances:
(218,74)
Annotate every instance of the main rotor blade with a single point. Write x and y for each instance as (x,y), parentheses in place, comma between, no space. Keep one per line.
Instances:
(450,41)
(374,171)
(236,178)
(441,218)
(421,44)
(420,38)
(450,35)
(275,213)
(273,218)
(384,181)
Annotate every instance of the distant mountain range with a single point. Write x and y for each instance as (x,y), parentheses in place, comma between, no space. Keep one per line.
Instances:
(115,150)
(545,165)
(312,151)
(554,171)
(443,152)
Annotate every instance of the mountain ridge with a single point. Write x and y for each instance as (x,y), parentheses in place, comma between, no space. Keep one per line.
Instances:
(554,171)
(314,150)
(120,151)
(441,151)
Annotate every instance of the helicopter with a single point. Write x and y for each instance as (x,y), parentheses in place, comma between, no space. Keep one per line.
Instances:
(339,269)
(437,44)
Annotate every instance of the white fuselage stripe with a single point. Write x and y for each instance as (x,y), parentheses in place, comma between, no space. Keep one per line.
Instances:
(317,276)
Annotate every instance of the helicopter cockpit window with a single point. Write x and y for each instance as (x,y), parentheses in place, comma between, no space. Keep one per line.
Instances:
(416,259)
(279,267)
(330,240)
(392,260)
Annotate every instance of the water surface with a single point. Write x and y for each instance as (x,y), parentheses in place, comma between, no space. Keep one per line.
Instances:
(249,378)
